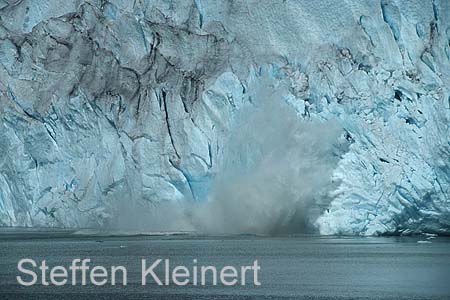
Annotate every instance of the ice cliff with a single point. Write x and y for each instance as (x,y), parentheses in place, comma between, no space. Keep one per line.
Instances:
(111,109)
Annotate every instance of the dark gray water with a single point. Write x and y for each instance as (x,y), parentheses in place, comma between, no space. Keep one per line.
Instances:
(291,268)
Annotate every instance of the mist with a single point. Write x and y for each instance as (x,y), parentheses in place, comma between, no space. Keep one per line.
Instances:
(274,177)
(276,172)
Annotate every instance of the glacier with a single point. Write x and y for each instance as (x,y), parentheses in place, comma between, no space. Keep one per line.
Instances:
(236,116)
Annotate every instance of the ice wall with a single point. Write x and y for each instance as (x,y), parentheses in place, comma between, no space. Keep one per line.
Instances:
(111,110)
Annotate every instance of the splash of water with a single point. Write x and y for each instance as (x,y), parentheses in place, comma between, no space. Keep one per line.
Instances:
(277,168)
(275,173)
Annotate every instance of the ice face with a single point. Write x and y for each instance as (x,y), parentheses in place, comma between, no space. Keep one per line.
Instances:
(124,114)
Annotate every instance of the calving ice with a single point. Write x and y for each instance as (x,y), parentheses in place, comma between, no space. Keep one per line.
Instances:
(160,272)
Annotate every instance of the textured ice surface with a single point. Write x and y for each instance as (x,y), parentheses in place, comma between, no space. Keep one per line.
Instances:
(110,108)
